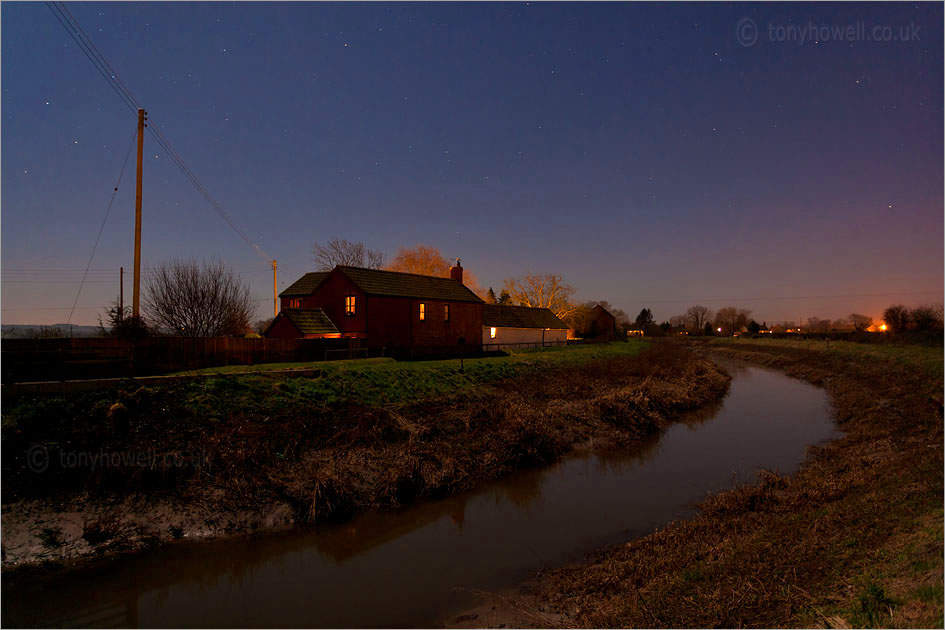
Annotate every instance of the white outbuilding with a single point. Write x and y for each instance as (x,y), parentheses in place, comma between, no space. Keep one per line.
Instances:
(520,326)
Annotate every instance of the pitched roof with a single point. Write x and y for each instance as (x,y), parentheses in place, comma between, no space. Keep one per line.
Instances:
(412,285)
(519,317)
(309,321)
(604,310)
(305,285)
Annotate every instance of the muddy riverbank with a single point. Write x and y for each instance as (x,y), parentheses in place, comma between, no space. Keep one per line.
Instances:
(421,565)
(128,470)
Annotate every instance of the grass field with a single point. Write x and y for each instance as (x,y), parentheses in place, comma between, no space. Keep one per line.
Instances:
(386,381)
(928,359)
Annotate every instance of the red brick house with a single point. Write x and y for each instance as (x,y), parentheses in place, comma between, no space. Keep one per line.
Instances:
(402,312)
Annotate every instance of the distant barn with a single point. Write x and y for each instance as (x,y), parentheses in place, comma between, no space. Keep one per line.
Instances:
(603,324)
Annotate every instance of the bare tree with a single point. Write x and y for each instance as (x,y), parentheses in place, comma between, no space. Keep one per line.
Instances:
(731,319)
(897,318)
(698,317)
(194,299)
(860,322)
(817,325)
(47,332)
(679,321)
(339,251)
(542,290)
(927,317)
(427,260)
(580,319)
(841,323)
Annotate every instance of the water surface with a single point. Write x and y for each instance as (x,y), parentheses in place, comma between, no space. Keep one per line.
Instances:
(419,566)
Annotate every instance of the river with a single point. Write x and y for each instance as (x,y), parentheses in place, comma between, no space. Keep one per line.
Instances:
(419,566)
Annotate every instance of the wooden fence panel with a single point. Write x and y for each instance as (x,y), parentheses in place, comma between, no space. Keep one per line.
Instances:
(94,357)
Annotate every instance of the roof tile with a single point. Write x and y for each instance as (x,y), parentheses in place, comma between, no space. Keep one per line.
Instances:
(305,285)
(310,321)
(398,284)
(519,317)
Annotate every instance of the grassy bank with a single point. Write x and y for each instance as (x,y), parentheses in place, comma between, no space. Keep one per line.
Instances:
(386,381)
(234,450)
(855,539)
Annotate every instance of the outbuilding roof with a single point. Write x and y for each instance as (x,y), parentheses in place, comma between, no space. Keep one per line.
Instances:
(519,317)
(309,321)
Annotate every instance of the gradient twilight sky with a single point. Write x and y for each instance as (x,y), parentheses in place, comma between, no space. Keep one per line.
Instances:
(639,150)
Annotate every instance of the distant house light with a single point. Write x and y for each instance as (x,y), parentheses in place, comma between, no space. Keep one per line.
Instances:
(492,333)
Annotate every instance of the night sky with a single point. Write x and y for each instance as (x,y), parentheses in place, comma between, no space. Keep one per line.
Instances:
(639,150)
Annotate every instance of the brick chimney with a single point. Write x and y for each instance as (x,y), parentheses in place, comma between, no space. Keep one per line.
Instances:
(456,271)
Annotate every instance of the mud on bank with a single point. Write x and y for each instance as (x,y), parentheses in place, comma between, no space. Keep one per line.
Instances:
(853,540)
(178,474)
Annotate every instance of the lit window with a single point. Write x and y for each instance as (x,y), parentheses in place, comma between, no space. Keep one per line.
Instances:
(349,305)
(446,312)
(492,333)
(295,302)
(423,311)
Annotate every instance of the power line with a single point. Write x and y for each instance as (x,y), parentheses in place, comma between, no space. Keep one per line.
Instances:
(95,56)
(62,14)
(102,227)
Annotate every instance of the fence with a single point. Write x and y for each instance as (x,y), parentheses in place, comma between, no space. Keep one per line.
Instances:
(490,347)
(95,357)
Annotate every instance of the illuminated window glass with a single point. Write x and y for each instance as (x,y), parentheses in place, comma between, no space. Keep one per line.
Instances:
(492,333)
(349,305)
(423,311)
(446,312)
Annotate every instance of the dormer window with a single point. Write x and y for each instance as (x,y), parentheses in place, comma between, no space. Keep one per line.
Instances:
(350,306)
(295,302)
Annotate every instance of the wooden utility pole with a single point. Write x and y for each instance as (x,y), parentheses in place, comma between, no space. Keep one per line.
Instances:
(121,294)
(275,299)
(136,299)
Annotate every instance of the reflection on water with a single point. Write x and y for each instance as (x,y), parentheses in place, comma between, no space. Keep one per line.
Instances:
(412,567)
